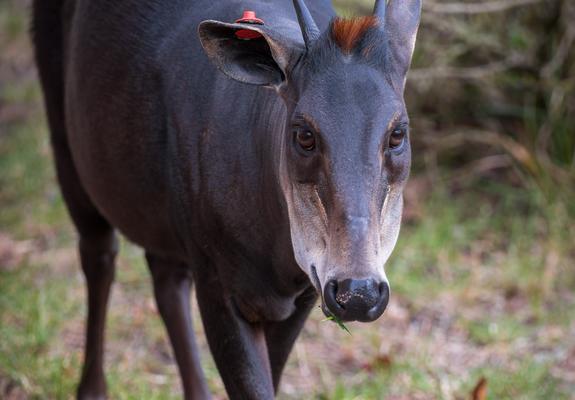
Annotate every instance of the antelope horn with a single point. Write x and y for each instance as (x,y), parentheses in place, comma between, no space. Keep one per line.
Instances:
(379,11)
(308,26)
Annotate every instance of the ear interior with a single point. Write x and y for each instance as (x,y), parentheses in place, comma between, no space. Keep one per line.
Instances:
(250,61)
(401,25)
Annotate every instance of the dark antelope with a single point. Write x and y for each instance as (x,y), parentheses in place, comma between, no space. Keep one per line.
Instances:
(264,189)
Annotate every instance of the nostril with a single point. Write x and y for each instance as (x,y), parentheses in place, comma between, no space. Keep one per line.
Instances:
(330,295)
(383,289)
(383,294)
(331,287)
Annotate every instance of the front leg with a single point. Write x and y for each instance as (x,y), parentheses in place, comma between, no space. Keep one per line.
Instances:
(238,347)
(172,284)
(281,335)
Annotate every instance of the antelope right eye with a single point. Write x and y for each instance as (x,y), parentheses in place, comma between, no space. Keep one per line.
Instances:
(396,138)
(306,140)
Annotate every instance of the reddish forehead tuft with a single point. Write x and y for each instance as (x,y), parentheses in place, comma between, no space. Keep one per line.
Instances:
(346,32)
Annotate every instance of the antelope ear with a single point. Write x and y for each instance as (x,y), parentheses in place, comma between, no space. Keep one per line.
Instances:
(401,24)
(260,59)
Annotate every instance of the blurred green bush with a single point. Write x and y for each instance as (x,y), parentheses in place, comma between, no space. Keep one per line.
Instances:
(493,84)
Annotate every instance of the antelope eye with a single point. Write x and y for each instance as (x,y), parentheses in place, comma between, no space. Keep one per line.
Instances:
(396,138)
(306,140)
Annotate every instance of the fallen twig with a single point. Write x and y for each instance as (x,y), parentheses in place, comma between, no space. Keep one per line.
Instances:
(475,8)
(468,73)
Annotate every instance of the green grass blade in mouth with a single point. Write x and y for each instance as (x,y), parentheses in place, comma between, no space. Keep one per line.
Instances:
(336,320)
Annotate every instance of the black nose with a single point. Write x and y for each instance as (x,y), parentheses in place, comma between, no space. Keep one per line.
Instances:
(356,299)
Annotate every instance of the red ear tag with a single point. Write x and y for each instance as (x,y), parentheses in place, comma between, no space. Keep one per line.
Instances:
(249,17)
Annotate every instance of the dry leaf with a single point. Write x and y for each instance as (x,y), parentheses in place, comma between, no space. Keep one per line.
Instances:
(381,361)
(480,390)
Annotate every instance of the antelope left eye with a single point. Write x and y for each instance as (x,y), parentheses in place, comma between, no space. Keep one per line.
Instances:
(306,140)
(396,138)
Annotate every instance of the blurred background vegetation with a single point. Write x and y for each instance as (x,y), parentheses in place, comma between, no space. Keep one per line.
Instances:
(483,276)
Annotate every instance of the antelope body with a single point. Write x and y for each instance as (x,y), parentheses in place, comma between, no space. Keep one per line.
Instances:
(267,170)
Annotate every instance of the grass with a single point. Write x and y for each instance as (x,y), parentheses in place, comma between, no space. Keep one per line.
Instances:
(336,320)
(481,278)
(31,320)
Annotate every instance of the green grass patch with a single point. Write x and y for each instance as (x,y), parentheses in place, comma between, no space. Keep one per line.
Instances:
(496,330)
(527,380)
(34,305)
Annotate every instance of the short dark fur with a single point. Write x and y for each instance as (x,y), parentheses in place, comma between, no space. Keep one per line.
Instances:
(368,45)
